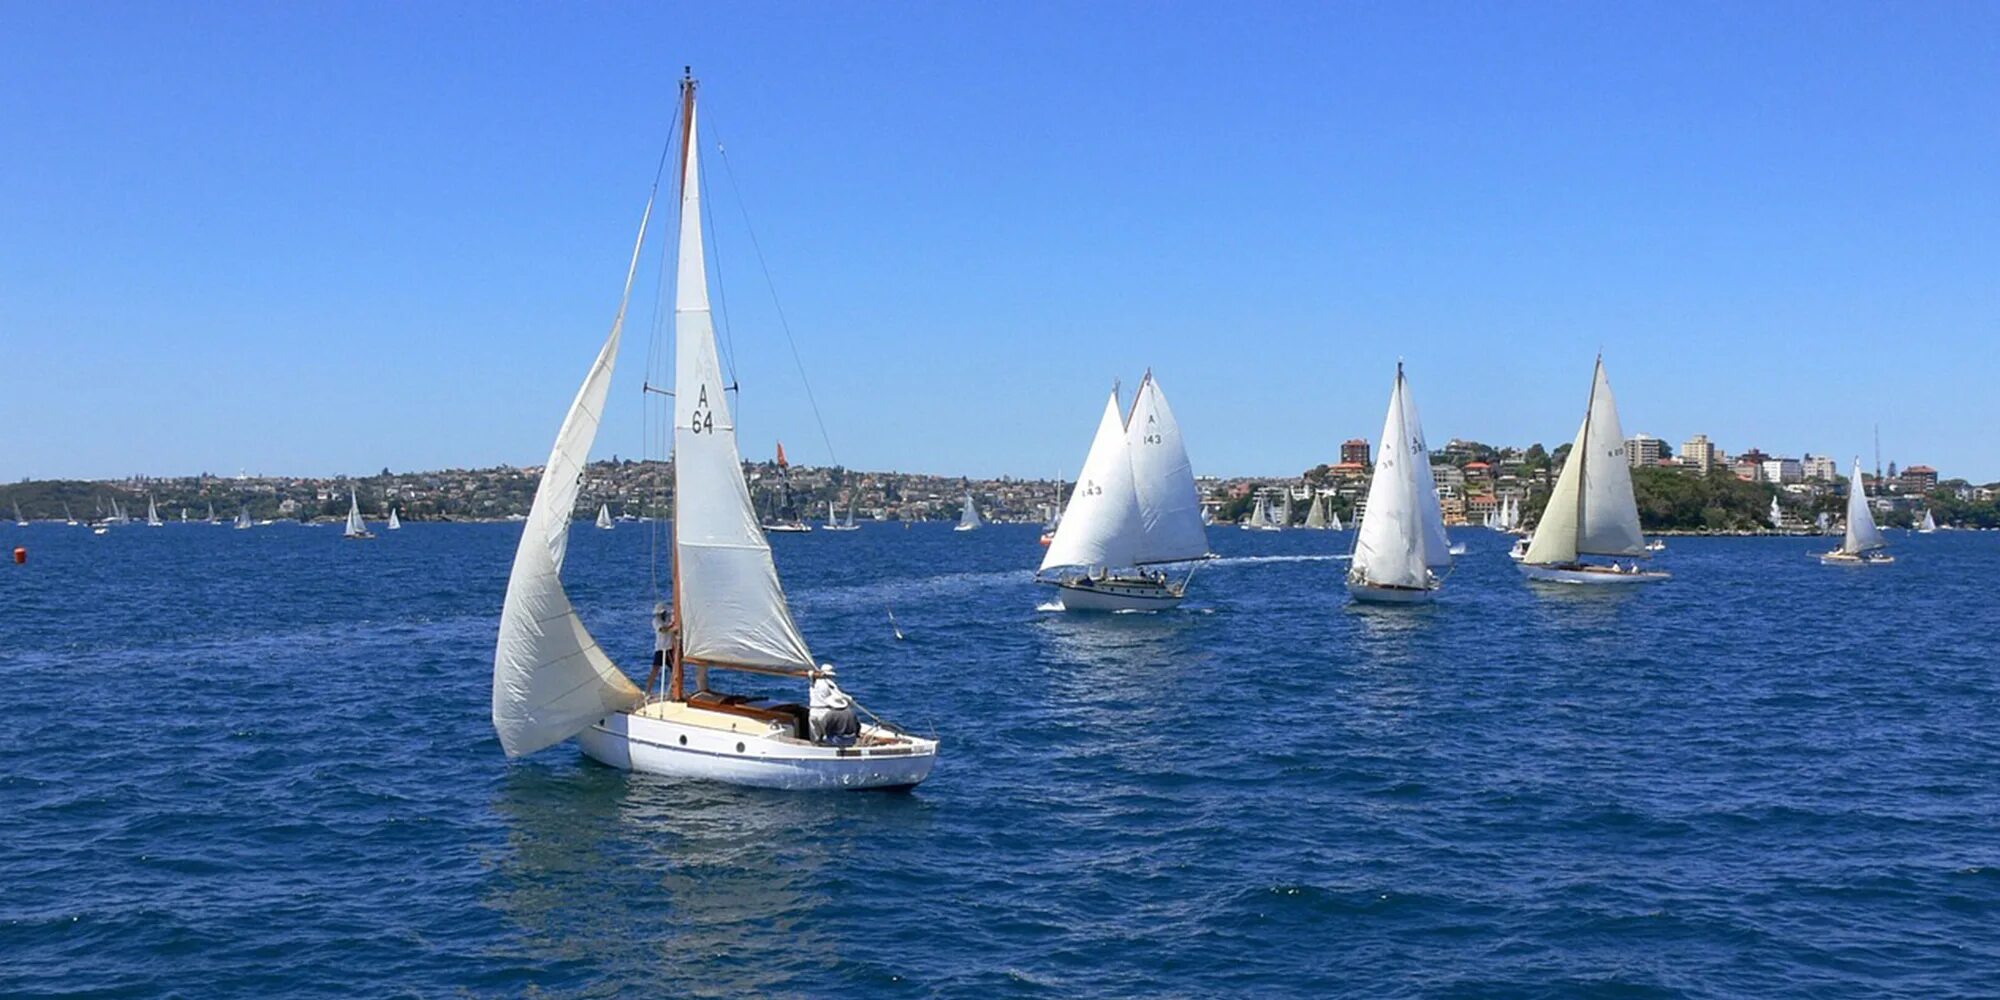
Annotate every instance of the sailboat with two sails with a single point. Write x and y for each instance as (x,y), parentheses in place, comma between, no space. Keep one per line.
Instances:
(357,529)
(1591,511)
(1134,508)
(1863,543)
(553,681)
(1401,554)
(833,521)
(969,519)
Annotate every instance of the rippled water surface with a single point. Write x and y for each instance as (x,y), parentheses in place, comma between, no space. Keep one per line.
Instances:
(259,763)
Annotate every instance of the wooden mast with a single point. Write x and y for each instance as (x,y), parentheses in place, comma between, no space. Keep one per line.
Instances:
(677,690)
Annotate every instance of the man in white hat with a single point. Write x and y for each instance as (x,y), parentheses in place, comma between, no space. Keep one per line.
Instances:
(832,712)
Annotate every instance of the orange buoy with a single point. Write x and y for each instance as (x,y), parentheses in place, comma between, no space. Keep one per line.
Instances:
(20,555)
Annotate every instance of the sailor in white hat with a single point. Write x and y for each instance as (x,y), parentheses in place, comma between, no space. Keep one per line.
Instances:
(832,714)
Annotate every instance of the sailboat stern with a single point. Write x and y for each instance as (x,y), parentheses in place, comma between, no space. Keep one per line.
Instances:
(683,740)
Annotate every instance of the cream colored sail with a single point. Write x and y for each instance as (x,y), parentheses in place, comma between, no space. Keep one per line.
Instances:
(1862,534)
(550,677)
(1591,511)
(732,607)
(1316,517)
(1101,525)
(1170,527)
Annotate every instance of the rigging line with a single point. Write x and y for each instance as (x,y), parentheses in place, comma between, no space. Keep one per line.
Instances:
(655,360)
(783,322)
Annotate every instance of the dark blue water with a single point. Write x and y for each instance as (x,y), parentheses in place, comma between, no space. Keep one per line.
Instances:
(259,763)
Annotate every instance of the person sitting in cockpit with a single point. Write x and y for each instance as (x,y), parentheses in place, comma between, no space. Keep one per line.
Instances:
(832,718)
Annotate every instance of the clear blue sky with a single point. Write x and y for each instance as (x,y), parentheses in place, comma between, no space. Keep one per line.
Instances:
(322,238)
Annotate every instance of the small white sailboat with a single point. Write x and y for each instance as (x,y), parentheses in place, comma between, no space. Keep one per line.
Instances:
(833,521)
(1055,514)
(1777,515)
(395,523)
(1591,510)
(1261,516)
(1333,519)
(1316,517)
(1929,524)
(1401,555)
(19,521)
(184,515)
(357,529)
(211,512)
(968,519)
(1863,544)
(1135,507)
(551,678)
(68,518)
(604,522)
(152,513)
(243,518)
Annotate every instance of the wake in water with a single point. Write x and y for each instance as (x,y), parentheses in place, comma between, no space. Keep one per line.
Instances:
(1248,560)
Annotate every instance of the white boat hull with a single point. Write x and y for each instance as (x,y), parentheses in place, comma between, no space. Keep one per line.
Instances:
(754,753)
(1117,595)
(1369,593)
(1839,558)
(1591,576)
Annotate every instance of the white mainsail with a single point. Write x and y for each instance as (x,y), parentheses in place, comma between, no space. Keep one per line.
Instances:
(604,516)
(1591,511)
(1333,520)
(355,526)
(211,512)
(1316,517)
(1169,504)
(1260,512)
(243,517)
(969,517)
(1777,514)
(1402,538)
(395,523)
(152,513)
(1862,534)
(550,677)
(1929,525)
(732,608)
(1101,525)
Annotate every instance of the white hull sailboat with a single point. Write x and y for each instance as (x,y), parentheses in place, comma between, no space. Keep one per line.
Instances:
(1401,555)
(1135,507)
(153,514)
(1316,516)
(969,519)
(395,523)
(1929,524)
(357,529)
(604,522)
(551,678)
(19,521)
(833,521)
(1591,511)
(243,518)
(1863,544)
(68,518)
(1261,518)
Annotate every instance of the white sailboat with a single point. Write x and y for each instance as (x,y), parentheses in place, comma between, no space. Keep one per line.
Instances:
(243,518)
(1135,506)
(604,522)
(19,521)
(152,513)
(1401,555)
(68,518)
(1777,515)
(1262,518)
(1591,510)
(1333,520)
(968,519)
(357,529)
(1316,517)
(1863,544)
(551,679)
(118,515)
(395,523)
(211,512)
(833,521)
(1929,524)
(184,515)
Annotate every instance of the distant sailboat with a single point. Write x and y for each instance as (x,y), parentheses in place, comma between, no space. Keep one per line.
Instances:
(551,678)
(356,528)
(118,515)
(211,512)
(395,523)
(1316,517)
(19,521)
(1929,524)
(1401,554)
(604,522)
(1863,544)
(1777,515)
(1135,506)
(1333,519)
(1055,514)
(1591,511)
(152,513)
(184,515)
(1261,517)
(68,518)
(833,521)
(243,518)
(968,519)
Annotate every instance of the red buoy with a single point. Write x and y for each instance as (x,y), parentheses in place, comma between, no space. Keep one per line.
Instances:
(20,555)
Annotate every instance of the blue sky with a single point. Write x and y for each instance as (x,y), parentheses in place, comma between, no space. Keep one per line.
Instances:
(331,238)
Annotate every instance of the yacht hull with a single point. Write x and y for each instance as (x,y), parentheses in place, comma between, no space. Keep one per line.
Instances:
(1590,576)
(1369,593)
(1117,595)
(753,754)
(1838,558)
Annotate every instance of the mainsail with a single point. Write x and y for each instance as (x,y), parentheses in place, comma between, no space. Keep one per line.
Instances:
(355,526)
(1862,534)
(1316,517)
(732,608)
(969,517)
(1591,511)
(550,678)
(395,523)
(1169,504)
(604,516)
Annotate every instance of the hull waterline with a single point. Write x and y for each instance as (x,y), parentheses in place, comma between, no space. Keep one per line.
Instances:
(1591,576)
(752,754)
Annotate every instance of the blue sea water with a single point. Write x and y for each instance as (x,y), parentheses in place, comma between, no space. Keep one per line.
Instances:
(259,763)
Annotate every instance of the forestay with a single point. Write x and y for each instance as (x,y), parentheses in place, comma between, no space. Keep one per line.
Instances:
(1170,528)
(732,607)
(550,678)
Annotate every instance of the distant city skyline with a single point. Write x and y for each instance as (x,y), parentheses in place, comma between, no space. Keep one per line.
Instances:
(296,241)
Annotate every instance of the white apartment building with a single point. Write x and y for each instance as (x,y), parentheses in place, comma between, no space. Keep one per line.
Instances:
(1644,449)
(1701,453)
